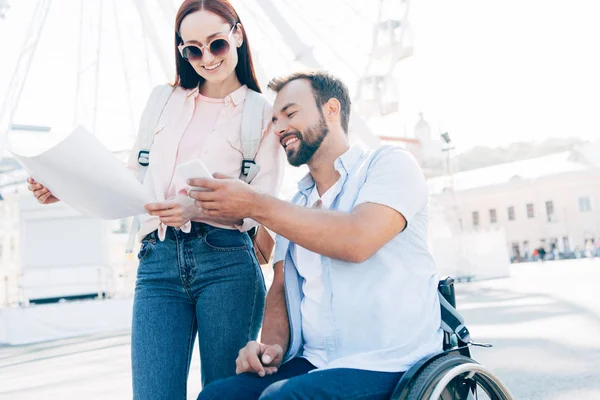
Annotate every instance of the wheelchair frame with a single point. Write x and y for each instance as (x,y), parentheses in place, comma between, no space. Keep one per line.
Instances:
(429,378)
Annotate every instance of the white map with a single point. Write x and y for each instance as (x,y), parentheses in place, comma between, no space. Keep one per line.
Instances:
(84,174)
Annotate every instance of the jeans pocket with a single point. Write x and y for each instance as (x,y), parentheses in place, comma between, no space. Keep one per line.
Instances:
(145,249)
(225,240)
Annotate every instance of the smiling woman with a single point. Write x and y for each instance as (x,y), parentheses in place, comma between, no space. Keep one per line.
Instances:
(199,275)
(210,44)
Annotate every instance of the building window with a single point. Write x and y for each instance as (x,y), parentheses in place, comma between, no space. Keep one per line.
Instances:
(550,211)
(511,213)
(493,216)
(530,213)
(585,205)
(475,219)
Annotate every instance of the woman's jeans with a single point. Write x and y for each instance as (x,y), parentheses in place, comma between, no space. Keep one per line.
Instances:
(207,281)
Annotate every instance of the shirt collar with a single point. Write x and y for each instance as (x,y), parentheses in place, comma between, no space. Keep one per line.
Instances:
(306,184)
(348,160)
(234,98)
(344,163)
(237,96)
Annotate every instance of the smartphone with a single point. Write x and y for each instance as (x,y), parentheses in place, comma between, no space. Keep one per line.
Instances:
(194,169)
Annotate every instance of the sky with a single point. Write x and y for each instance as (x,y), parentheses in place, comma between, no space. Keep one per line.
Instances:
(488,72)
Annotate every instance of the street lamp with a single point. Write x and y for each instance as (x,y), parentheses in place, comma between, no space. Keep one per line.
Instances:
(447,148)
(446,137)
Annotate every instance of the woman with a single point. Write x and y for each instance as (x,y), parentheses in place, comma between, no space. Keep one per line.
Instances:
(196,274)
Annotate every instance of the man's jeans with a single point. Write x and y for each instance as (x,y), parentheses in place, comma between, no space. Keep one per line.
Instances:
(207,281)
(293,381)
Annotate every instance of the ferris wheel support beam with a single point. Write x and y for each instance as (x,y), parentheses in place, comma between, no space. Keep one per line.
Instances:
(19,76)
(88,63)
(168,11)
(397,50)
(155,40)
(304,54)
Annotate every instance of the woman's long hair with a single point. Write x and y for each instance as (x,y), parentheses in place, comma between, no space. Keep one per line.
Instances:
(186,75)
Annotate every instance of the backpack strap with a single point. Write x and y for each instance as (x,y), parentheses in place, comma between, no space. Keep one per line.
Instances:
(149,121)
(150,116)
(251,133)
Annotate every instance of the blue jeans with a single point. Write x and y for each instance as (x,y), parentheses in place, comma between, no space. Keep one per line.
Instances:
(293,381)
(208,282)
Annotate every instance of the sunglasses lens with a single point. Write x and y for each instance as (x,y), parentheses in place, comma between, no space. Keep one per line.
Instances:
(191,53)
(219,47)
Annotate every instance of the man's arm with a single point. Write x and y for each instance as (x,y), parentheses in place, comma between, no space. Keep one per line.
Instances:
(264,358)
(394,192)
(276,329)
(352,237)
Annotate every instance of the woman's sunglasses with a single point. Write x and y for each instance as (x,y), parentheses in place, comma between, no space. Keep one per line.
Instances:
(218,47)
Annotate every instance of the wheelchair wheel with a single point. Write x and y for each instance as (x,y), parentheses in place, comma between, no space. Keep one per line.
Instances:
(455,377)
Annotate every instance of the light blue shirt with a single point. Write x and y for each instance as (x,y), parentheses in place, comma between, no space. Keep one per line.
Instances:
(382,314)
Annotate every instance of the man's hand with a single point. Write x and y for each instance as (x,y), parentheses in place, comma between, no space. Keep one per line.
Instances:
(227,198)
(174,213)
(262,359)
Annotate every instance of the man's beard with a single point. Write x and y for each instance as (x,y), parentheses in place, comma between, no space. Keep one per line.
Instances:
(309,143)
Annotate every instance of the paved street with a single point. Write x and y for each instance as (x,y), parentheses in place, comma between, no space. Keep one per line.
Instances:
(545,325)
(544,322)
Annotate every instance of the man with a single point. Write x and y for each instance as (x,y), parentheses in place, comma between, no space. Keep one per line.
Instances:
(354,297)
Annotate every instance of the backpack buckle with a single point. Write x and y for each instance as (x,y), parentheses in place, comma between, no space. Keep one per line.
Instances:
(144,158)
(246,165)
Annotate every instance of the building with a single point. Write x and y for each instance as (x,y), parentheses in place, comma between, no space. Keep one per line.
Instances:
(551,201)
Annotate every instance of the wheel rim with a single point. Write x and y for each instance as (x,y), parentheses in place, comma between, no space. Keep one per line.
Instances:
(471,375)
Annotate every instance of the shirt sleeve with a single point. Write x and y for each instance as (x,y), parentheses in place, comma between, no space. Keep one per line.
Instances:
(395,180)
(271,160)
(281,247)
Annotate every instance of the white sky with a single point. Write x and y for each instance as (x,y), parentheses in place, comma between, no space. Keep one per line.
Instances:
(490,73)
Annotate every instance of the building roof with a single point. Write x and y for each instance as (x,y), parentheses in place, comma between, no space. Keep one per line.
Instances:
(503,173)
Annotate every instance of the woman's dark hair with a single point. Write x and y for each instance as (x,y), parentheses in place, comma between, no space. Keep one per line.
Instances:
(186,75)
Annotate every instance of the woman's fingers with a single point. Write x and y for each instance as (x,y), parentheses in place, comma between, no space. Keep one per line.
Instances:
(171,212)
(33,185)
(42,199)
(40,192)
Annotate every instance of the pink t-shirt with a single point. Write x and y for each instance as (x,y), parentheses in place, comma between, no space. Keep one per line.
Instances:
(199,132)
(194,126)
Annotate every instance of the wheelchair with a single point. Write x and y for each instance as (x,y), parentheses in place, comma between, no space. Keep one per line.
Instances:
(451,374)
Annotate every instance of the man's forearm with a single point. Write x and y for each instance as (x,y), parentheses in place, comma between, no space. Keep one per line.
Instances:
(276,328)
(330,233)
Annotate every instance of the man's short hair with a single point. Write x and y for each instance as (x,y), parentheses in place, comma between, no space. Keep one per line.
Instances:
(325,86)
